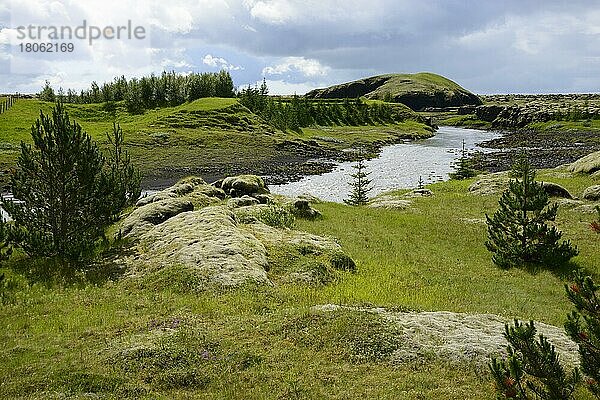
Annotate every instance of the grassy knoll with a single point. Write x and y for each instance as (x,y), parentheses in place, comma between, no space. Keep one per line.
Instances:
(208,136)
(117,341)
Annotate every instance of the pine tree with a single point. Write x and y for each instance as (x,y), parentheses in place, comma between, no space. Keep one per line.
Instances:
(124,178)
(47,93)
(532,369)
(583,326)
(517,233)
(463,167)
(361,185)
(64,194)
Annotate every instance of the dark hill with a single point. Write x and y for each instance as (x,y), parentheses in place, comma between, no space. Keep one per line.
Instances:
(418,91)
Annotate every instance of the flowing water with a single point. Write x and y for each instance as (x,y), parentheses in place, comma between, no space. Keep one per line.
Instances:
(398,166)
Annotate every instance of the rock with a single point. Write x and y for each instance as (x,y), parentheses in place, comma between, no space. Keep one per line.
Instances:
(301,208)
(209,245)
(455,337)
(588,208)
(555,190)
(587,164)
(154,198)
(194,188)
(265,198)
(145,217)
(311,198)
(497,183)
(592,193)
(569,203)
(419,193)
(389,202)
(490,184)
(216,246)
(242,201)
(238,186)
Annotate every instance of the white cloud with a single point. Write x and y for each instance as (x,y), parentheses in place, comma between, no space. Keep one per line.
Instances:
(280,87)
(308,67)
(273,12)
(219,62)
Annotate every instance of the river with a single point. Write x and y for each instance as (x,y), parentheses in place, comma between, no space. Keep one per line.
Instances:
(398,166)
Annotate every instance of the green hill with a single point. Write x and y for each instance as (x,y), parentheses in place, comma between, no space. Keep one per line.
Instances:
(417,91)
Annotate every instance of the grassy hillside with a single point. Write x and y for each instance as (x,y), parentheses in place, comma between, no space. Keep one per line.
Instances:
(210,136)
(417,91)
(110,340)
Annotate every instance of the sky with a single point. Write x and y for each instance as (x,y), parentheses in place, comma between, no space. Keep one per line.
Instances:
(487,46)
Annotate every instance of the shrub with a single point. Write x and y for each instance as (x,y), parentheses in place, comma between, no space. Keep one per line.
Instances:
(517,233)
(276,216)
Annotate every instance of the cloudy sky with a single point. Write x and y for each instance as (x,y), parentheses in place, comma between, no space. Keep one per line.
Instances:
(488,46)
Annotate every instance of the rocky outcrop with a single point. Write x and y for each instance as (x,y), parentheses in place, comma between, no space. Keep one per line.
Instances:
(493,184)
(147,216)
(238,186)
(390,202)
(453,337)
(587,165)
(592,193)
(222,242)
(417,91)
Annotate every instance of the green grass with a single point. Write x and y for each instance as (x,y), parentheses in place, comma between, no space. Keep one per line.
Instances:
(118,341)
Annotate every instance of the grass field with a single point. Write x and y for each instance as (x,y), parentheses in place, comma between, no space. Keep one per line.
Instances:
(111,340)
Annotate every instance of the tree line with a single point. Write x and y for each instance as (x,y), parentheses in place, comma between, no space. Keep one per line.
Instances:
(166,90)
(300,112)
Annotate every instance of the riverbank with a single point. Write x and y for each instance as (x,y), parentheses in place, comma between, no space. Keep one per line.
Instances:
(554,129)
(211,137)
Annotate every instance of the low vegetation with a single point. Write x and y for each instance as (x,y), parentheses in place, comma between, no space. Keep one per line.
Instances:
(103,337)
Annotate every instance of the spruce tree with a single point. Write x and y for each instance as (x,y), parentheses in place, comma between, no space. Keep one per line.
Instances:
(583,326)
(361,184)
(463,166)
(518,233)
(64,195)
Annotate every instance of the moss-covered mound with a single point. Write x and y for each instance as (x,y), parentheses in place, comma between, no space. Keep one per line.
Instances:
(191,236)
(417,91)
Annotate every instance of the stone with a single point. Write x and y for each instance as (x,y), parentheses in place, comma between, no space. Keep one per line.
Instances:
(455,337)
(490,184)
(301,208)
(587,164)
(238,186)
(242,201)
(209,244)
(145,217)
(389,202)
(592,193)
(192,187)
(555,190)
(419,193)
